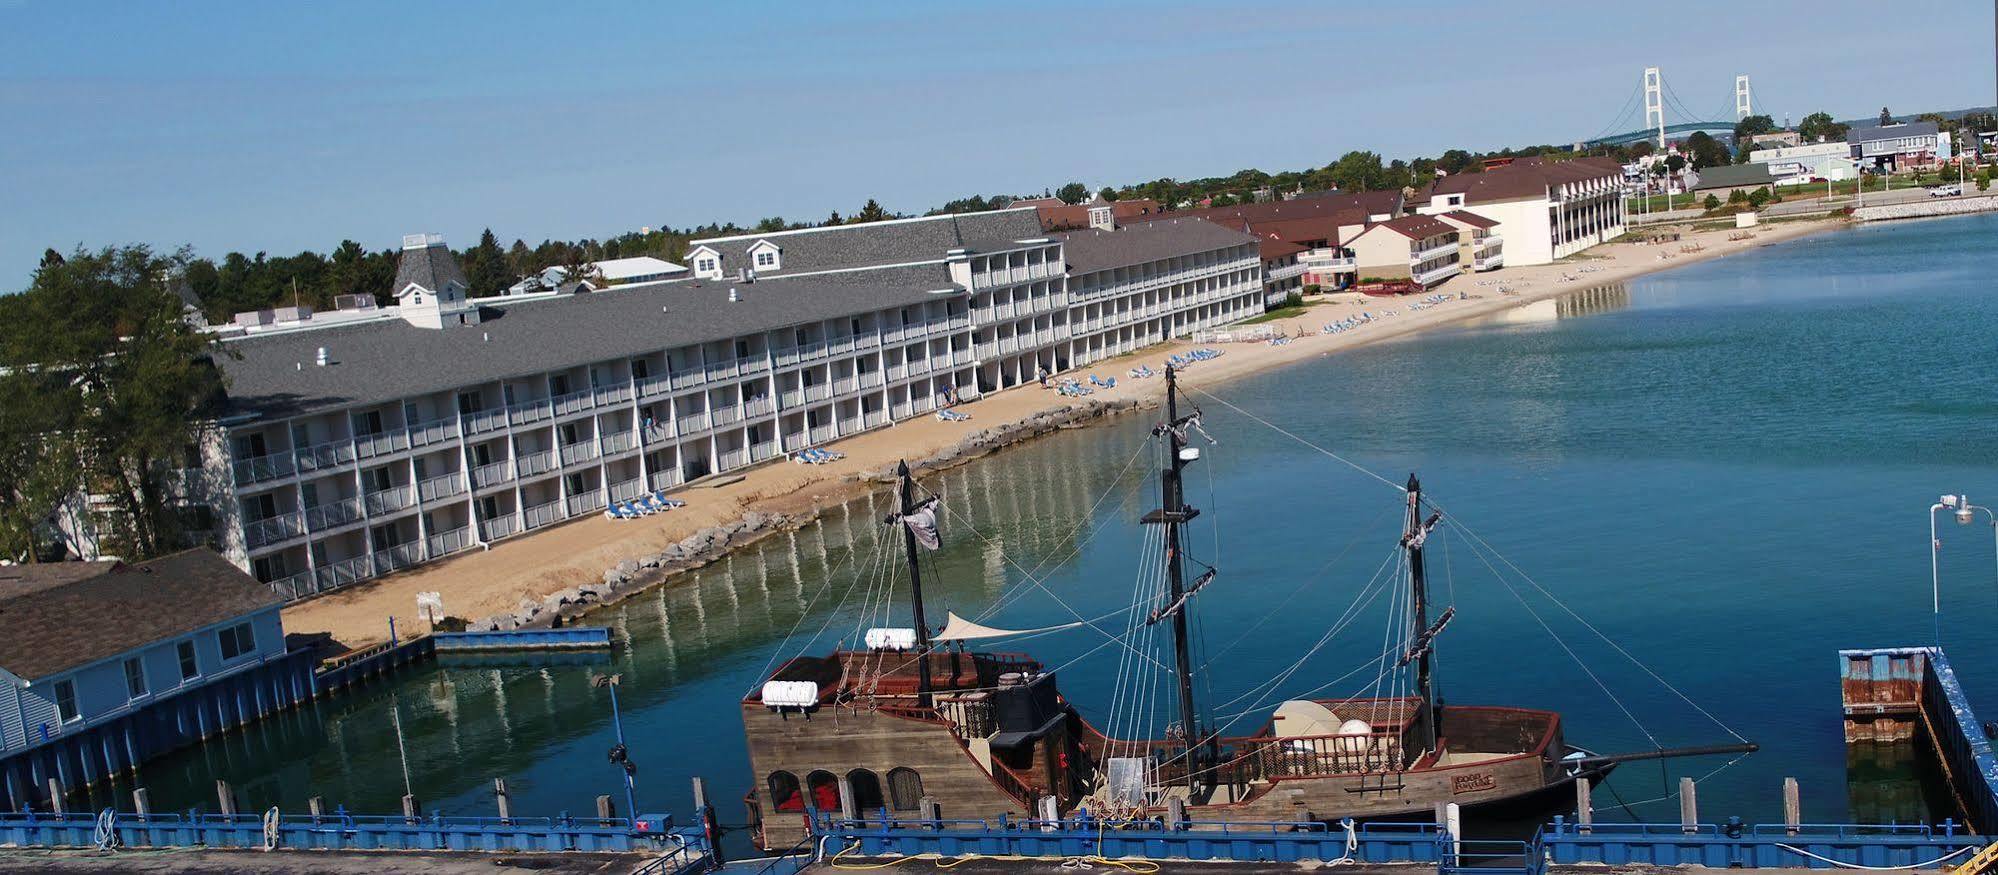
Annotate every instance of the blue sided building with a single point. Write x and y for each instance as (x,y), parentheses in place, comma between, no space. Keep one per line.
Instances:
(104,665)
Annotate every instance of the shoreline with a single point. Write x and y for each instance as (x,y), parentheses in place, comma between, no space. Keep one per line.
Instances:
(588,562)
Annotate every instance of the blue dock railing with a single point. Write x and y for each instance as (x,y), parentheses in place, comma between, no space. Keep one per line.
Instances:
(1720,846)
(342,831)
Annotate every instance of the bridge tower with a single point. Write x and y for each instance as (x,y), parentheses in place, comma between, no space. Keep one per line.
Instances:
(1743,106)
(1654,103)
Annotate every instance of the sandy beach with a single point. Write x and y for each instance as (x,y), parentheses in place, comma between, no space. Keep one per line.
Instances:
(478,584)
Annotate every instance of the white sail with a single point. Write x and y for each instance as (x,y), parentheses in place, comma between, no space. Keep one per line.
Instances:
(961,629)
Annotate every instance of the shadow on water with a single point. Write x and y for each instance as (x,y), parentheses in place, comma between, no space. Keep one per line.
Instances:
(1723,468)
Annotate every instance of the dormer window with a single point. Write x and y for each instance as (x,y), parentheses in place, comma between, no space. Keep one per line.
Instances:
(766,259)
(416,298)
(765,255)
(705,265)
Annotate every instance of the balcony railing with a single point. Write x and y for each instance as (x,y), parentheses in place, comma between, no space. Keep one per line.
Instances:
(271,530)
(817,392)
(618,442)
(530,464)
(397,557)
(341,573)
(370,446)
(440,486)
(446,543)
(484,421)
(392,498)
(627,490)
(333,515)
(758,406)
(580,451)
(654,386)
(320,457)
(585,502)
(692,422)
(542,514)
(613,394)
(433,432)
(822,434)
(666,479)
(257,469)
(764,450)
(529,412)
(493,474)
(726,415)
(574,402)
(735,458)
(500,526)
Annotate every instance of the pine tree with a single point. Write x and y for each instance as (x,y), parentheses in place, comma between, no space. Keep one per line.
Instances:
(486,267)
(871,212)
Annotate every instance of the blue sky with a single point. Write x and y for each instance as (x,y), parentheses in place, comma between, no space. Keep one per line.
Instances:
(284,126)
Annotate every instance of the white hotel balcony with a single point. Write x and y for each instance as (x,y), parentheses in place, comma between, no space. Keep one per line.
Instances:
(1437,274)
(1286,272)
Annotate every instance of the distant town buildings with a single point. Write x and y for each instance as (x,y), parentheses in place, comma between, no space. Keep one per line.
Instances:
(1806,163)
(1899,146)
(1419,249)
(1546,209)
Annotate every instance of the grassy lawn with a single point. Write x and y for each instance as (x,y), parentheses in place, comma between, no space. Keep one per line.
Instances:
(1281,313)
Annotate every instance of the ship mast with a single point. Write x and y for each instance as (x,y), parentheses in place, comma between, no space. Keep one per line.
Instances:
(1173,516)
(1422,635)
(908,496)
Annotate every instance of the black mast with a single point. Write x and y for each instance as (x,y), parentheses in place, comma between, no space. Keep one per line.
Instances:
(1173,515)
(1420,645)
(908,495)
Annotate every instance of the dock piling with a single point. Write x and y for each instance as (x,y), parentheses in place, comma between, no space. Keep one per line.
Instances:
(409,809)
(316,807)
(142,802)
(1176,813)
(1453,823)
(499,796)
(225,797)
(930,809)
(1793,807)
(55,796)
(605,810)
(1585,814)
(1689,807)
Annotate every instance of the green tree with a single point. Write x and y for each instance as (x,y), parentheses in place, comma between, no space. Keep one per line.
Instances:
(1819,126)
(1357,171)
(771,224)
(1886,118)
(1073,193)
(1108,193)
(1749,127)
(98,363)
(1758,197)
(51,258)
(1675,163)
(870,212)
(1713,202)
(1706,151)
(485,266)
(833,219)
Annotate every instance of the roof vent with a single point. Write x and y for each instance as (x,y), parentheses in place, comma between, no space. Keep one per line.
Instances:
(732,298)
(320,359)
(485,336)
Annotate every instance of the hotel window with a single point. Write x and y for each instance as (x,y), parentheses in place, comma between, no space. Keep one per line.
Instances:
(766,258)
(705,265)
(65,702)
(188,666)
(236,641)
(135,678)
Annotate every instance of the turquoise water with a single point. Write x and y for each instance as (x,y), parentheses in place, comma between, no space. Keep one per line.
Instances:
(1724,468)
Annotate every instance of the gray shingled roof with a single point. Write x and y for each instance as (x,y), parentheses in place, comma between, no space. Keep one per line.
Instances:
(383,360)
(430,267)
(1733,176)
(876,243)
(66,615)
(1089,251)
(1870,133)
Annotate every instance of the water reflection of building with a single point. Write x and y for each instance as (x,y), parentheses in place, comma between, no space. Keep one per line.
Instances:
(1590,301)
(469,722)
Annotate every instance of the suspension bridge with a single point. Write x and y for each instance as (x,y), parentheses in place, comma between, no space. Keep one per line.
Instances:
(1656,97)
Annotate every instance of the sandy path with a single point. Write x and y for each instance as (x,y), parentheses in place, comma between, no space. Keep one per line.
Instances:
(483,583)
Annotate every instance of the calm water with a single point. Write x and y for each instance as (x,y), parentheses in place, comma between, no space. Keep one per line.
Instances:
(1725,469)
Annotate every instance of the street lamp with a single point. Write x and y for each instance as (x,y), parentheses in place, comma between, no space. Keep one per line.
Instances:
(619,756)
(1965,513)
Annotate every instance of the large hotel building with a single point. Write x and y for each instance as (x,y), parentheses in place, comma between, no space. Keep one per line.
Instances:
(368,440)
